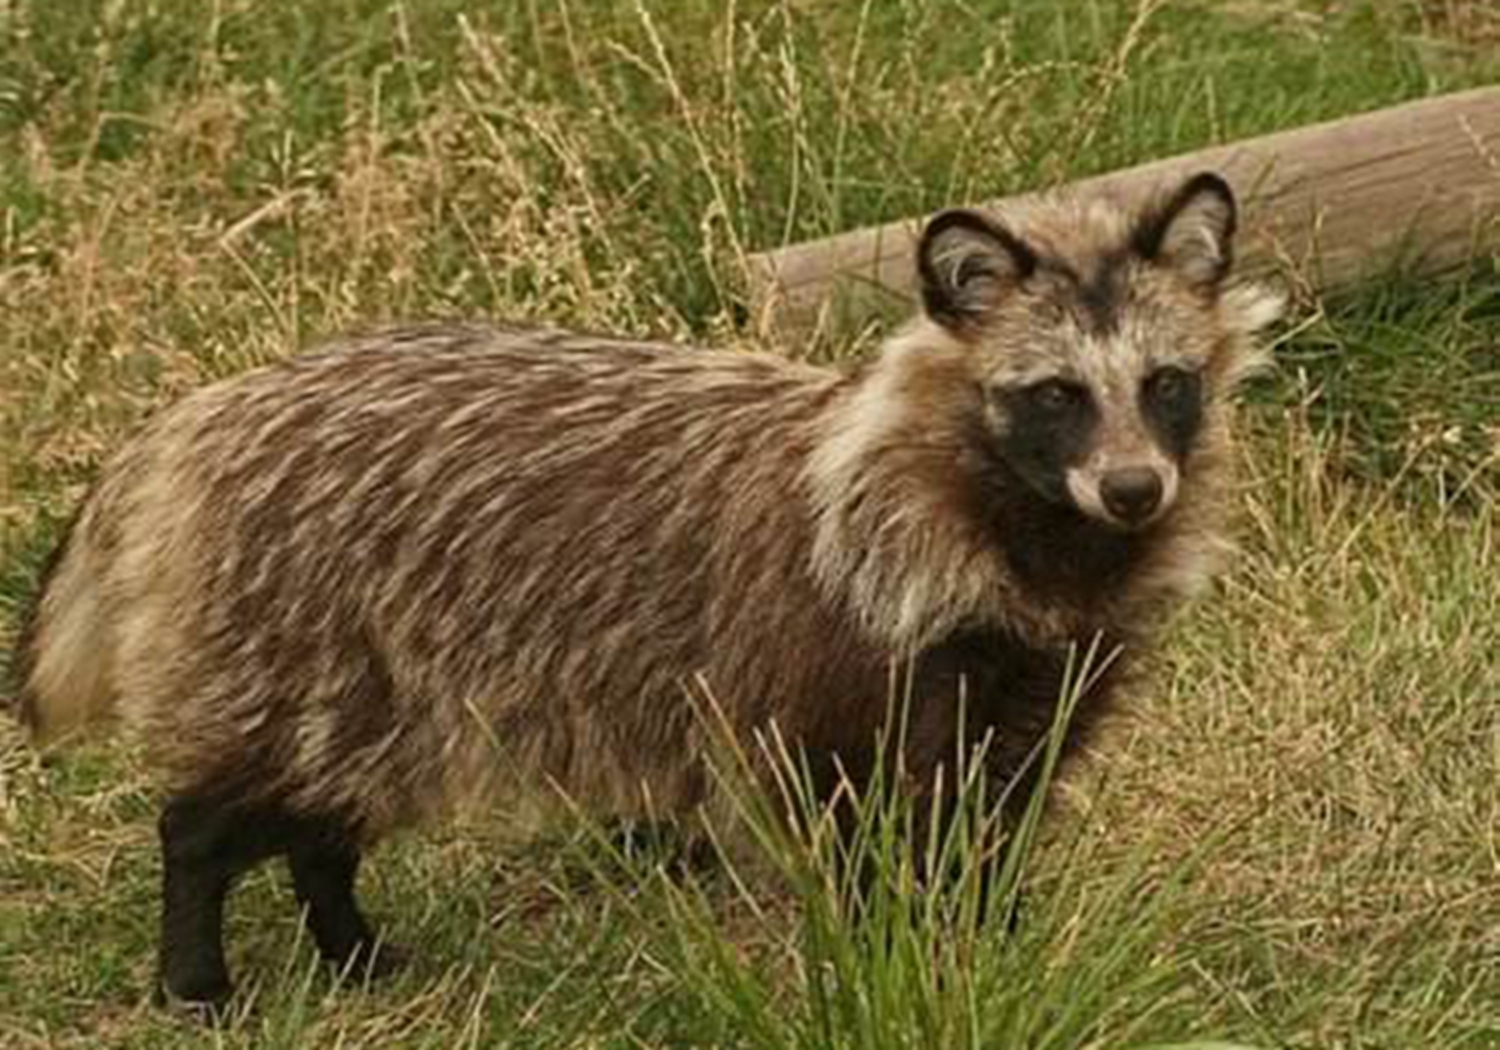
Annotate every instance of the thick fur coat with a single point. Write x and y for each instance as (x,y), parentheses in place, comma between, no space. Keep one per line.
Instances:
(355,589)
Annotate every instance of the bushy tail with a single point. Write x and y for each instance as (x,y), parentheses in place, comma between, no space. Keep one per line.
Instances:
(64,651)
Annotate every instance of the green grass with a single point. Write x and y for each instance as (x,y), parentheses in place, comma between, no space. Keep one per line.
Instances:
(1291,839)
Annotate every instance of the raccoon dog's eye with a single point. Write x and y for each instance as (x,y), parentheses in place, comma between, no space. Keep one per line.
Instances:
(1057,396)
(1171,384)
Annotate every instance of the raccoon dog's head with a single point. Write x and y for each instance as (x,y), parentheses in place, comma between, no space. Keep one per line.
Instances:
(1097,341)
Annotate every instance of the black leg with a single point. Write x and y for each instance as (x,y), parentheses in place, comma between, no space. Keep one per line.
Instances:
(201,857)
(663,842)
(324,863)
(209,838)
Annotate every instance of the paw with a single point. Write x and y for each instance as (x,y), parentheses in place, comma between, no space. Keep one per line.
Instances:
(208,1000)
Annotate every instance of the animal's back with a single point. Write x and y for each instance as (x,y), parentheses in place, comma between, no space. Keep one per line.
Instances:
(377,577)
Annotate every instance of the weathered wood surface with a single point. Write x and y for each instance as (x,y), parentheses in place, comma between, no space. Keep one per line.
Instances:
(1329,203)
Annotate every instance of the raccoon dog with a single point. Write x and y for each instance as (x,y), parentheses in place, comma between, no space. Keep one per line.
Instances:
(340,595)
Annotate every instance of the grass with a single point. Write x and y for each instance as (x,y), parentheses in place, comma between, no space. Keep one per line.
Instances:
(1292,839)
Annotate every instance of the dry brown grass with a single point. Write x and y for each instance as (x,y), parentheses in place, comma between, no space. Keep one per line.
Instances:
(1474,23)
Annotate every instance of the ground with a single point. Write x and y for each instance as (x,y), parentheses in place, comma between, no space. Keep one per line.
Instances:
(1291,839)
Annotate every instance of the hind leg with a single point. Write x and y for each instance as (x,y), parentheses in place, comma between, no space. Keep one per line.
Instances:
(324,861)
(205,844)
(209,838)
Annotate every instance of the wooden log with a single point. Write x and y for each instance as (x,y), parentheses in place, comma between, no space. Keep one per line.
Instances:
(1331,203)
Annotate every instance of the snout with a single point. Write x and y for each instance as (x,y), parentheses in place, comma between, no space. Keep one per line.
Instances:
(1132,496)
(1125,496)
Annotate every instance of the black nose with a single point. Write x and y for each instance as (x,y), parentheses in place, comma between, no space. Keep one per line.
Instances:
(1131,494)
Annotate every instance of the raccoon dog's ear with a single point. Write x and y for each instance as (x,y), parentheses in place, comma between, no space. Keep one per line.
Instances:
(966,262)
(1191,232)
